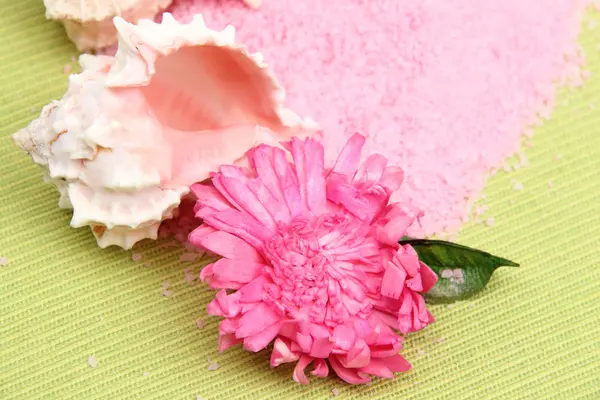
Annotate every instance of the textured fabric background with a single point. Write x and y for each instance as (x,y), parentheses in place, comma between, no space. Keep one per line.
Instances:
(533,334)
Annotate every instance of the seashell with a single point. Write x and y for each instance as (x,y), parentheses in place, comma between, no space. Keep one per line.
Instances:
(134,131)
(89,23)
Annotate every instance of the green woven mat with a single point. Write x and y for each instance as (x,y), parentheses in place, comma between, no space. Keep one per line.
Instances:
(535,334)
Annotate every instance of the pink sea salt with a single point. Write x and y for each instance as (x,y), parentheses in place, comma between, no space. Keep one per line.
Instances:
(444,89)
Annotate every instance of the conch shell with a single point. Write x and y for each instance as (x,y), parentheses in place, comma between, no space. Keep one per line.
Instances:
(88,23)
(134,131)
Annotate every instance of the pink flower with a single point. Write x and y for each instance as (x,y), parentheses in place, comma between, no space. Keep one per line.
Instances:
(312,260)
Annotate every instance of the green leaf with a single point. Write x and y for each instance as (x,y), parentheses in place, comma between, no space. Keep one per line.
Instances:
(462,271)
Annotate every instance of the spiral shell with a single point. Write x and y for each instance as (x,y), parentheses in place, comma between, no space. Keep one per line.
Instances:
(134,131)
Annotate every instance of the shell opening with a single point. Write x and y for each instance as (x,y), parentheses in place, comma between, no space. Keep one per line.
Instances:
(209,87)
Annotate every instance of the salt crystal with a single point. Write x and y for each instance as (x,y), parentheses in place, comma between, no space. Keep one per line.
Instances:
(213,366)
(550,184)
(558,156)
(165,285)
(190,277)
(167,293)
(198,397)
(438,340)
(518,186)
(335,391)
(421,352)
(147,264)
(447,273)
(92,361)
(200,324)
(490,221)
(146,373)
(507,168)
(136,257)
(481,210)
(67,69)
(189,257)
(3,261)
(190,247)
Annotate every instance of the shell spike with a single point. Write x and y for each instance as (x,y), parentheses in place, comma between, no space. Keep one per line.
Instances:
(227,36)
(198,20)
(168,18)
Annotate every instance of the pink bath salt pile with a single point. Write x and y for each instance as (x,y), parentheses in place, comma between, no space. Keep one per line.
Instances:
(444,89)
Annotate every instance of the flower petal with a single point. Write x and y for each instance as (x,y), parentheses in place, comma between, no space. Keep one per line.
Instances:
(377,368)
(253,291)
(372,169)
(288,182)
(299,375)
(321,369)
(260,340)
(246,200)
(282,353)
(348,375)
(358,357)
(428,277)
(393,281)
(225,305)
(314,158)
(224,244)
(321,348)
(227,341)
(236,270)
(396,363)
(262,160)
(392,178)
(349,158)
(209,196)
(255,320)
(343,337)
(237,223)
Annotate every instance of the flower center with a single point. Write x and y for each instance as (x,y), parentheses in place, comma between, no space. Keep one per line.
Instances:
(318,268)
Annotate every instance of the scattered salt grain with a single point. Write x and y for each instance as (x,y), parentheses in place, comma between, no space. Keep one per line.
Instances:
(3,261)
(447,273)
(165,285)
(147,264)
(92,361)
(189,257)
(558,156)
(507,168)
(370,383)
(490,221)
(167,293)
(136,257)
(67,69)
(200,324)
(190,277)
(146,374)
(550,184)
(421,352)
(481,210)
(335,392)
(438,340)
(213,366)
(198,397)
(518,186)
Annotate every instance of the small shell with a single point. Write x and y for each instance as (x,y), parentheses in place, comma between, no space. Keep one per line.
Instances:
(89,23)
(134,131)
